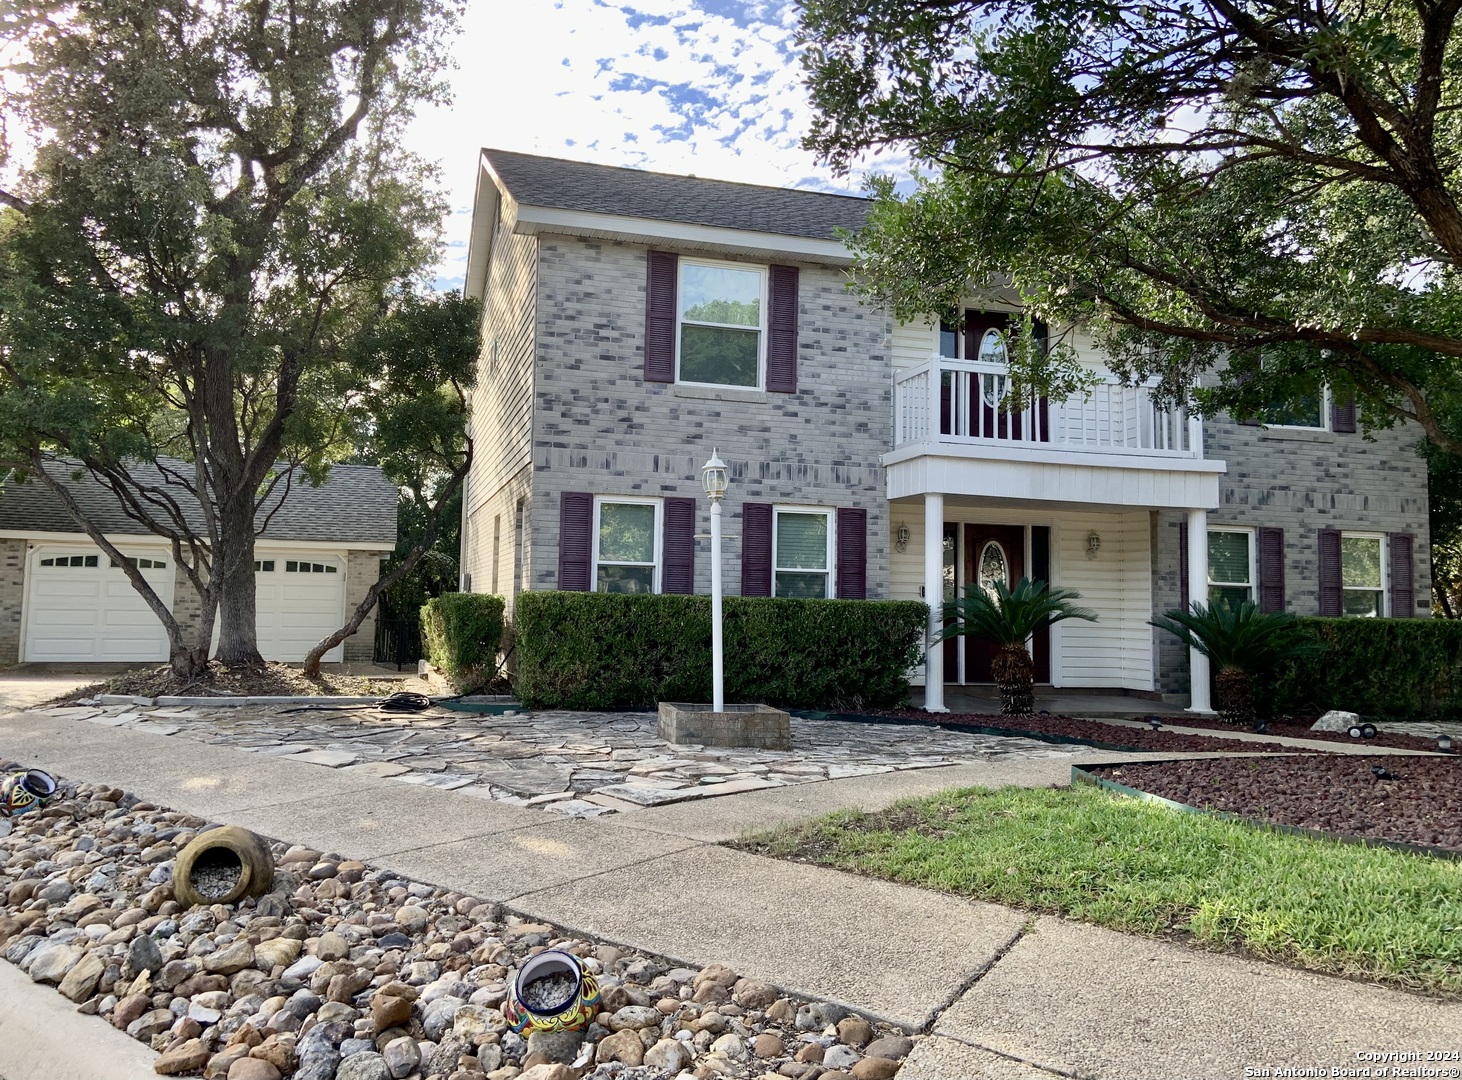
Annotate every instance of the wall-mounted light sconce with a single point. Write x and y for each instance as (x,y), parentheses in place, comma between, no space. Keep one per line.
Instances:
(1093,545)
(901,536)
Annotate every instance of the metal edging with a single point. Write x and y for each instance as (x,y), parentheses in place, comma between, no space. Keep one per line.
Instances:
(1080,775)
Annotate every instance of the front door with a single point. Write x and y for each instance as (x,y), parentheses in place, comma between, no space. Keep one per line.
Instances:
(992,553)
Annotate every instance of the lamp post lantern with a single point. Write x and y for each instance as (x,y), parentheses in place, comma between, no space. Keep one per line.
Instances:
(713,476)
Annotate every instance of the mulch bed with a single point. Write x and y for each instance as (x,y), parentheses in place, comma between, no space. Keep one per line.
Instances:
(1092,731)
(1421,802)
(1293,728)
(272,680)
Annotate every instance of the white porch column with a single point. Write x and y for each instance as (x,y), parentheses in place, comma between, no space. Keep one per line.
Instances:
(934,597)
(1198,674)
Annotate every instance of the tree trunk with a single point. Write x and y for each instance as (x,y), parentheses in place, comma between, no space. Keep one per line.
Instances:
(1235,692)
(233,574)
(1015,674)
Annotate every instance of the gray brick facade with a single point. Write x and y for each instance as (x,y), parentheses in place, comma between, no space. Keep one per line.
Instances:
(1302,481)
(362,570)
(12,598)
(599,427)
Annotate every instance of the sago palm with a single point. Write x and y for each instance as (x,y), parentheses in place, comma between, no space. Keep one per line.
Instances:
(1243,644)
(1008,617)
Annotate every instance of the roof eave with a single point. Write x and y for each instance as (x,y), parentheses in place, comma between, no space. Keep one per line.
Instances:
(485,209)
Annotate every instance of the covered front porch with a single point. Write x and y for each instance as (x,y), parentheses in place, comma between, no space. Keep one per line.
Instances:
(944,544)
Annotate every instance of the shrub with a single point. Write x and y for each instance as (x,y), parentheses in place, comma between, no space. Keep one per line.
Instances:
(600,651)
(1378,667)
(461,632)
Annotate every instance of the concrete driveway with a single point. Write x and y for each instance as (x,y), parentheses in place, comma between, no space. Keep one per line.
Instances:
(28,685)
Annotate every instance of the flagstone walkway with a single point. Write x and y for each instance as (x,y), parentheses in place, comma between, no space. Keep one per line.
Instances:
(574,763)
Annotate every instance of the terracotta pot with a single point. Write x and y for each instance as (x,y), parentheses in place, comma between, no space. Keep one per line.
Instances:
(575,1013)
(229,849)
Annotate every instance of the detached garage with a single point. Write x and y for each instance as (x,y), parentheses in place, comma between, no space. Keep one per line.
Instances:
(62,600)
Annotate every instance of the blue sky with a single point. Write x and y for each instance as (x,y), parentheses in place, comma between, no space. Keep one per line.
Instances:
(710,87)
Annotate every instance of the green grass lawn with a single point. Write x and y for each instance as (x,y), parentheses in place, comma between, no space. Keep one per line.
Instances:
(1136,866)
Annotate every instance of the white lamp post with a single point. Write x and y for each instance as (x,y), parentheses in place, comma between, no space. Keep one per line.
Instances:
(713,475)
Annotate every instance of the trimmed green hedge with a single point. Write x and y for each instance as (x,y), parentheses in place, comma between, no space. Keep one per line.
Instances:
(600,651)
(461,632)
(1400,668)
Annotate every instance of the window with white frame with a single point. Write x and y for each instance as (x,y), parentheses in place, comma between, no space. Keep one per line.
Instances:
(1230,566)
(1363,575)
(626,545)
(1307,407)
(802,553)
(720,334)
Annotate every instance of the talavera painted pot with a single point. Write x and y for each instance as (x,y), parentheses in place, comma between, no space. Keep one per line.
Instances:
(574,1013)
(23,792)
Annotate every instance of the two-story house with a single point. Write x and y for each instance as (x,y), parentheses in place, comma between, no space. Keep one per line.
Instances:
(634,321)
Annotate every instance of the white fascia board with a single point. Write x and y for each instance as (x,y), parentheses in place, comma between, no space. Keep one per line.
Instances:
(142,540)
(479,243)
(543,219)
(1139,460)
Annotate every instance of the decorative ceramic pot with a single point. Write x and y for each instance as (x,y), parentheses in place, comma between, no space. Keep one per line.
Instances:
(23,792)
(527,1010)
(222,866)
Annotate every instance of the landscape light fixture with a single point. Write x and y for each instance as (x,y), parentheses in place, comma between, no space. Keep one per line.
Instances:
(1444,743)
(714,477)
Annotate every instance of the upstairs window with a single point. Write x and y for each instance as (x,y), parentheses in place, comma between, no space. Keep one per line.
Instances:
(721,324)
(1306,410)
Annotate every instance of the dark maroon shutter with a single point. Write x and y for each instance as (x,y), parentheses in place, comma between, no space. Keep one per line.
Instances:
(678,547)
(1332,594)
(782,331)
(852,554)
(660,317)
(575,547)
(1183,564)
(756,549)
(1403,577)
(1342,415)
(1271,570)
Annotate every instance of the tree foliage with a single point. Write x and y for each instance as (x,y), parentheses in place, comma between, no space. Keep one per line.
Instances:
(218,207)
(1205,185)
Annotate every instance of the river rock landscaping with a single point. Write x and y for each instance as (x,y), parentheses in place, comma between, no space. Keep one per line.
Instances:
(1412,799)
(352,972)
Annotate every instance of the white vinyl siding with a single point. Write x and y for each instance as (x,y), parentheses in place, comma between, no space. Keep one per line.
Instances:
(1116,651)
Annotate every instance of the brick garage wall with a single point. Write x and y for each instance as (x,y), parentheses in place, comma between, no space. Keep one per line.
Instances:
(599,427)
(362,570)
(12,598)
(1302,481)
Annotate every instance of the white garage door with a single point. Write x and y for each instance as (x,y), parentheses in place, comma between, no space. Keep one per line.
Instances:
(300,600)
(79,607)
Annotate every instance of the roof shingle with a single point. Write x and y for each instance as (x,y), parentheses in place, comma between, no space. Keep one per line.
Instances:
(355,504)
(692,200)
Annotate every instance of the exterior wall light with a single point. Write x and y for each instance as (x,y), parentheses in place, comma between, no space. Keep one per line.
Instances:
(901,536)
(1093,545)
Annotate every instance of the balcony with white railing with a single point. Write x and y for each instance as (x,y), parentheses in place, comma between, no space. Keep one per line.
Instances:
(1118,440)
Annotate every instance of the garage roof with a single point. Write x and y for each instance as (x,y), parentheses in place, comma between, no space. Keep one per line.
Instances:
(355,504)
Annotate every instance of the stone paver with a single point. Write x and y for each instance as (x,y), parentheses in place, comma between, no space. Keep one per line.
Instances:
(571,763)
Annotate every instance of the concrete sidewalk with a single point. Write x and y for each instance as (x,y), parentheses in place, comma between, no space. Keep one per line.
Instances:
(1005,995)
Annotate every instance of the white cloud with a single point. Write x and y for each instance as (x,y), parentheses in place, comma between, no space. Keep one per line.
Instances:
(710,87)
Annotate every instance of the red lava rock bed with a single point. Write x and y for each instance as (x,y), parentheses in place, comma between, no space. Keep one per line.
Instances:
(1420,802)
(1299,728)
(1089,731)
